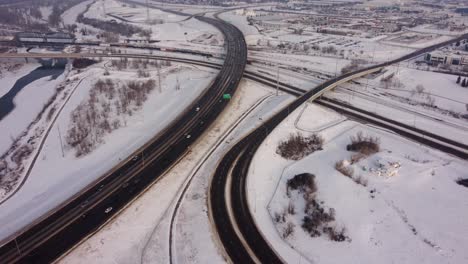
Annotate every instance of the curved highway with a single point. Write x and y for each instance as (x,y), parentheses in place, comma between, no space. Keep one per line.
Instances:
(48,237)
(235,225)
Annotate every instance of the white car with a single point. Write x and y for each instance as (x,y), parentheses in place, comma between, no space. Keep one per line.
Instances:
(108,210)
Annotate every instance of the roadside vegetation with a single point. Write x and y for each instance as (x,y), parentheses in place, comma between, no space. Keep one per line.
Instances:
(463,182)
(116,28)
(317,220)
(106,109)
(354,65)
(82,63)
(296,146)
(29,17)
(363,146)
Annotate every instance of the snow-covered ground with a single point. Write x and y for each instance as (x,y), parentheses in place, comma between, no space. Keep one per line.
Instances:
(28,102)
(402,103)
(70,15)
(414,216)
(147,226)
(11,70)
(67,174)
(170,27)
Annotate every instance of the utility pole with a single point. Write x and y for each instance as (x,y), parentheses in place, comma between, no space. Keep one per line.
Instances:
(336,67)
(158,66)
(147,11)
(277,81)
(104,7)
(61,143)
(177,84)
(373,55)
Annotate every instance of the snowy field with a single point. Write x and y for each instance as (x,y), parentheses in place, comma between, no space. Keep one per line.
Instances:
(411,214)
(169,27)
(71,174)
(439,107)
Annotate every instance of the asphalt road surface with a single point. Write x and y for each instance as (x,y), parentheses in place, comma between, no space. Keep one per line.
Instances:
(52,235)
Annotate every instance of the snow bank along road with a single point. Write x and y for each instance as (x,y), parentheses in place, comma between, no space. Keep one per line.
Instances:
(242,240)
(402,129)
(48,237)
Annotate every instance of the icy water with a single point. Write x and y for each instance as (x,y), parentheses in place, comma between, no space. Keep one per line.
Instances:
(7,103)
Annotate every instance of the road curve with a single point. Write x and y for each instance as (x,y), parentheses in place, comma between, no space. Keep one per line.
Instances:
(236,162)
(48,237)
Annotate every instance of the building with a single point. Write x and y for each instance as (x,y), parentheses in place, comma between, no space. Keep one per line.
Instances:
(439,57)
(51,37)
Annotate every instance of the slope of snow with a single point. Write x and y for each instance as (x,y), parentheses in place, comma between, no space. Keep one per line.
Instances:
(415,216)
(67,175)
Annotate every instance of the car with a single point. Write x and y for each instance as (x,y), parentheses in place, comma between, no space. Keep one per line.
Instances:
(197,109)
(108,210)
(84,204)
(189,136)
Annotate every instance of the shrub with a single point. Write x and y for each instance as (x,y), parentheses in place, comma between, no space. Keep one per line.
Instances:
(357,157)
(111,27)
(361,181)
(335,235)
(353,66)
(83,63)
(297,146)
(291,208)
(302,182)
(288,230)
(280,218)
(366,145)
(347,171)
(91,120)
(316,218)
(142,74)
(463,182)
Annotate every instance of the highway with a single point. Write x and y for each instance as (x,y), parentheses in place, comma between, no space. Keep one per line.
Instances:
(236,228)
(424,137)
(48,237)
(237,160)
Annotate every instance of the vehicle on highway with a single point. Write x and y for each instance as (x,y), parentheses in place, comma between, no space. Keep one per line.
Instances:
(108,210)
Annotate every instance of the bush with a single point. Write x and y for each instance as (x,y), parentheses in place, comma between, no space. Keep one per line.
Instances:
(91,120)
(355,158)
(463,182)
(112,27)
(82,63)
(353,66)
(317,218)
(361,181)
(288,230)
(347,171)
(291,209)
(366,145)
(335,235)
(302,182)
(297,146)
